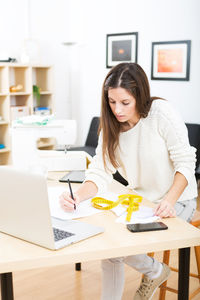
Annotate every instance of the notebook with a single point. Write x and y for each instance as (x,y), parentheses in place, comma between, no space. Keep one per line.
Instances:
(25,213)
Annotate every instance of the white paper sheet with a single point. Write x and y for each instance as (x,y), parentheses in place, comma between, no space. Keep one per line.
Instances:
(84,209)
(143,215)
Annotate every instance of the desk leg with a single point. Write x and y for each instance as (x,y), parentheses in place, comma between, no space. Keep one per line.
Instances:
(78,266)
(7,286)
(183,276)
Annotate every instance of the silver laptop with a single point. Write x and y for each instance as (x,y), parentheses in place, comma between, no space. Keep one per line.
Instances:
(25,213)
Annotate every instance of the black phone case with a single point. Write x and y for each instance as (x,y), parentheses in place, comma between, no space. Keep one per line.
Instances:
(139,227)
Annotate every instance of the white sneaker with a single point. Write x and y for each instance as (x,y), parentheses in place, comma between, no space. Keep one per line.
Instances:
(149,286)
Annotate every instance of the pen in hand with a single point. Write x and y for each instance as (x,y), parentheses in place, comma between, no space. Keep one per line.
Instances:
(70,188)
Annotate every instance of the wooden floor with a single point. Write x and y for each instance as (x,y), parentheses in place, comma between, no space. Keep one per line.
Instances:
(61,283)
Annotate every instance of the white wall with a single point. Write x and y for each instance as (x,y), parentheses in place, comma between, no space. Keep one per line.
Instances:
(48,20)
(155,20)
(87,23)
(13,26)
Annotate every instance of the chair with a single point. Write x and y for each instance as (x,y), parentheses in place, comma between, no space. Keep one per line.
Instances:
(166,256)
(117,176)
(91,144)
(91,140)
(194,139)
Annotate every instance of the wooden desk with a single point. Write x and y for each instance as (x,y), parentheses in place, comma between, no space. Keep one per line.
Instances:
(18,255)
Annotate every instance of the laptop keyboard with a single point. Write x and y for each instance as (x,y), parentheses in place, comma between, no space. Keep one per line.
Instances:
(61,234)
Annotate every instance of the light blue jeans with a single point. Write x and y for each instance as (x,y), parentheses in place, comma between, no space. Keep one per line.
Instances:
(113,268)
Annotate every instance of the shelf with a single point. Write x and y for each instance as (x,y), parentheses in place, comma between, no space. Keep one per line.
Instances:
(4,123)
(21,103)
(16,65)
(5,157)
(46,143)
(41,66)
(20,94)
(44,146)
(3,80)
(46,100)
(4,109)
(20,75)
(42,78)
(21,100)
(45,93)
(4,150)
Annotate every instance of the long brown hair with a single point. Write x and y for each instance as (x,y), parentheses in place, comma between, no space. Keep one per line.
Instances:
(131,77)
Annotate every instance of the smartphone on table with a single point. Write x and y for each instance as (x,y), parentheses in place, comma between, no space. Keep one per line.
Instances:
(140,227)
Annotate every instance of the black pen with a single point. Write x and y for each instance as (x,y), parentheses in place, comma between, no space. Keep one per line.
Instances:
(70,188)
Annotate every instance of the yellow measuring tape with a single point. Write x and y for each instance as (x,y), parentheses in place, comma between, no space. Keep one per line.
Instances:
(131,201)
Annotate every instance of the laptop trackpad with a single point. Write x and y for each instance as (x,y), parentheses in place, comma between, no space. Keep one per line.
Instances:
(77,227)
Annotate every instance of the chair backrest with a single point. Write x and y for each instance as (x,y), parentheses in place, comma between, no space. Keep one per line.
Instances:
(194,139)
(92,137)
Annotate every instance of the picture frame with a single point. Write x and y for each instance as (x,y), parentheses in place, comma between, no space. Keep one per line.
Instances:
(171,60)
(121,47)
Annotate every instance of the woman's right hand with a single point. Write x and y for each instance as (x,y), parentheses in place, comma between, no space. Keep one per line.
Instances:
(67,203)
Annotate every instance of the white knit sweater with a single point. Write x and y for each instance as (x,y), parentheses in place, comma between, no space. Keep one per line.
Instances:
(150,154)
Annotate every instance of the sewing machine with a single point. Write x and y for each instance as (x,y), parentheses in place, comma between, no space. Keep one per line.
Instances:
(24,142)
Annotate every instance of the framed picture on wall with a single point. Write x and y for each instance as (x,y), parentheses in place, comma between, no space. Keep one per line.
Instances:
(171,60)
(121,47)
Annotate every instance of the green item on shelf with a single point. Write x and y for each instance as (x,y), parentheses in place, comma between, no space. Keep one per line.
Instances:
(36,93)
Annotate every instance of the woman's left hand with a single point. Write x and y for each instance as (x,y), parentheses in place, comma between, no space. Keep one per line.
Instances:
(165,209)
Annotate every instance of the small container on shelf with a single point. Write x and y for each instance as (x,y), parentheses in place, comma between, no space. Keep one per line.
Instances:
(17,112)
(16,88)
(39,110)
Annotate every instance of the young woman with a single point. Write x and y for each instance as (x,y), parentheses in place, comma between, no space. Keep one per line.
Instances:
(146,141)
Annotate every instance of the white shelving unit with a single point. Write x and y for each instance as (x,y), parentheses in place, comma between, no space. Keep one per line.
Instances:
(13,74)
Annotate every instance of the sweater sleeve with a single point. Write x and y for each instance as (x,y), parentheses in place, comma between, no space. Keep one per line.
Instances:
(175,134)
(96,171)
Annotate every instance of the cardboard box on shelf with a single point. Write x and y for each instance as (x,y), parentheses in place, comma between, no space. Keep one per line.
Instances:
(17,112)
